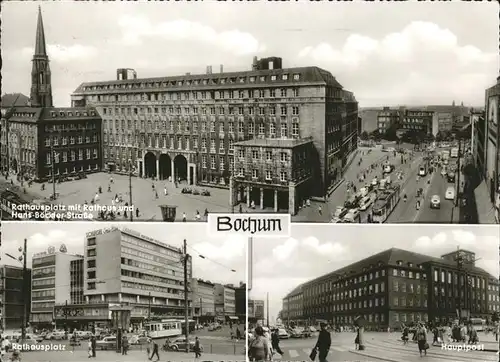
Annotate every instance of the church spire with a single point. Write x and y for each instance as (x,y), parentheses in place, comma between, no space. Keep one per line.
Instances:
(40,48)
(41,87)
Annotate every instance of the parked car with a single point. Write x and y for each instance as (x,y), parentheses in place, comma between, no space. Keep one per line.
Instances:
(450,193)
(180,344)
(196,192)
(186,190)
(283,333)
(84,334)
(106,343)
(205,193)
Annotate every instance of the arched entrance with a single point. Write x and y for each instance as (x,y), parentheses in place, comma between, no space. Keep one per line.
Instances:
(150,165)
(180,167)
(165,166)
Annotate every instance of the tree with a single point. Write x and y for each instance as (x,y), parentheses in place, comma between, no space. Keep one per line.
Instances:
(364,136)
(390,134)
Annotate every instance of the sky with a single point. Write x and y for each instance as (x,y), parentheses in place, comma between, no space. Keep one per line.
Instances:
(280,265)
(387,53)
(221,254)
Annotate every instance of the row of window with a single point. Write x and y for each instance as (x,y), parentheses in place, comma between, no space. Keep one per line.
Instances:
(174,261)
(191,82)
(50,259)
(270,109)
(54,141)
(42,282)
(43,271)
(70,127)
(269,174)
(89,155)
(43,293)
(70,113)
(153,288)
(149,277)
(153,268)
(447,277)
(66,171)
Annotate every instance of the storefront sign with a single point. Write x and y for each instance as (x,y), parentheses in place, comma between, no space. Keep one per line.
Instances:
(91,234)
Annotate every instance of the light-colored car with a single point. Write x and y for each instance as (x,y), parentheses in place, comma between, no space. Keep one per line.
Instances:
(283,333)
(450,193)
(387,169)
(138,340)
(106,343)
(435,202)
(353,216)
(422,171)
(340,211)
(375,182)
(179,344)
(365,203)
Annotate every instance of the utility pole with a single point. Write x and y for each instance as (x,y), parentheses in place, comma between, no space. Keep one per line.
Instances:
(459,285)
(267,302)
(25,292)
(186,309)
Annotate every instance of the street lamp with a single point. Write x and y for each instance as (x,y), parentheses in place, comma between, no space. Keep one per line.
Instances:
(22,259)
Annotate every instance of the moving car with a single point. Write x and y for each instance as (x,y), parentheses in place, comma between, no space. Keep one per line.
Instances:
(180,344)
(450,193)
(106,343)
(365,203)
(296,333)
(283,333)
(435,202)
(451,176)
(422,171)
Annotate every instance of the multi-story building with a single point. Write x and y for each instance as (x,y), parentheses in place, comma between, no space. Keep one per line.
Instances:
(478,139)
(491,171)
(293,307)
(398,286)
(8,104)
(15,297)
(42,141)
(185,127)
(442,123)
(255,310)
(50,284)
(418,121)
(240,295)
(493,295)
(126,268)
(225,302)
(203,300)
(277,173)
(387,118)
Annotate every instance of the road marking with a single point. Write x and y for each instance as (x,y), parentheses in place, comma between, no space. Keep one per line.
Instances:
(339,349)
(293,353)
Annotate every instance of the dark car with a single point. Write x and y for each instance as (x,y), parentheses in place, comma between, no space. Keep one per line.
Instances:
(196,192)
(451,176)
(205,193)
(186,190)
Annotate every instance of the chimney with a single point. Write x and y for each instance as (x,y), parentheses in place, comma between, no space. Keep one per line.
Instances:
(222,68)
(209,69)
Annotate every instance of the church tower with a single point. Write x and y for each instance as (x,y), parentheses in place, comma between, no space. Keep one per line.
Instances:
(41,88)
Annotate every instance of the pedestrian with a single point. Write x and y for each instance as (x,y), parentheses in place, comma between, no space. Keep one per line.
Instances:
(136,212)
(320,210)
(165,192)
(423,346)
(275,342)
(94,346)
(156,195)
(198,216)
(406,332)
(238,334)
(197,348)
(258,349)
(184,218)
(324,342)
(109,188)
(155,352)
(356,340)
(124,345)
(96,198)
(240,209)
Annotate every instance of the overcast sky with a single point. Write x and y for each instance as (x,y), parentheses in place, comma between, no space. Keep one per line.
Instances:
(386,53)
(279,265)
(221,254)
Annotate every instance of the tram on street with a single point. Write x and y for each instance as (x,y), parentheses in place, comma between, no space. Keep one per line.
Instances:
(385,203)
(166,328)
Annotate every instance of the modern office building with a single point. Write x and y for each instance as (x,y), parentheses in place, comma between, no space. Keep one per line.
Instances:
(255,310)
(40,140)
(50,284)
(185,127)
(418,121)
(277,173)
(203,300)
(13,294)
(225,302)
(398,286)
(293,307)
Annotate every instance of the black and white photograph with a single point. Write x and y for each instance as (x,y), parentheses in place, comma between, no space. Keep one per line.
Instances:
(121,292)
(386,293)
(332,112)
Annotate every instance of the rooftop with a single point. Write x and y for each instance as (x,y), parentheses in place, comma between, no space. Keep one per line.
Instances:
(14,99)
(274,142)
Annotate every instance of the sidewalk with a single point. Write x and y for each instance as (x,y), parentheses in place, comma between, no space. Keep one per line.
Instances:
(132,356)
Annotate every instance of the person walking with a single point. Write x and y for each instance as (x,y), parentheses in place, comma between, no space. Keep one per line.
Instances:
(275,341)
(94,346)
(155,352)
(323,344)
(124,345)
(197,348)
(258,349)
(423,346)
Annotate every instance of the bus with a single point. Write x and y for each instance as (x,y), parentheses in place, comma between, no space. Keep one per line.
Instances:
(385,203)
(166,328)
(454,152)
(478,324)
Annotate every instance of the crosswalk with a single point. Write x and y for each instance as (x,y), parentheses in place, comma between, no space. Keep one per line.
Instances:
(302,354)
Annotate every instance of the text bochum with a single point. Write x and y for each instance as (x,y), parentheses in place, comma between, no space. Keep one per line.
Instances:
(249,224)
